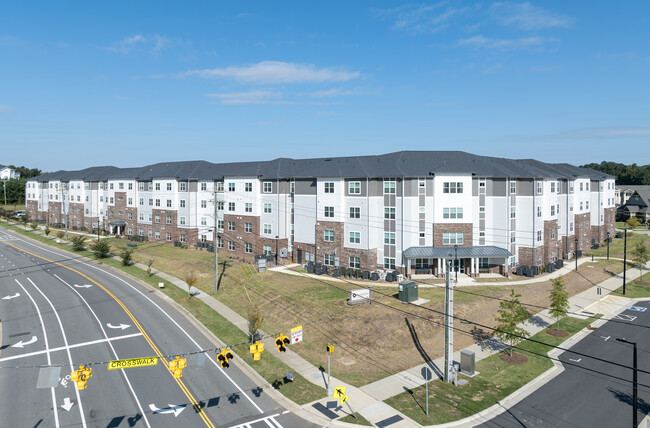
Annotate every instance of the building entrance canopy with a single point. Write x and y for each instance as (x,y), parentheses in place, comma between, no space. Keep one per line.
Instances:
(469,260)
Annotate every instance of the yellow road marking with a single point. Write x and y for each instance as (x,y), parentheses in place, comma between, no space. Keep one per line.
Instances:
(180,383)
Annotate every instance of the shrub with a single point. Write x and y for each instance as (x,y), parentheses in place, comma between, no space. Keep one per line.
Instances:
(60,234)
(127,257)
(77,242)
(149,264)
(101,249)
(33,226)
(255,319)
(47,231)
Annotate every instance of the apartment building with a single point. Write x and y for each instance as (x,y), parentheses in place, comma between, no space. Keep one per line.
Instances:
(408,211)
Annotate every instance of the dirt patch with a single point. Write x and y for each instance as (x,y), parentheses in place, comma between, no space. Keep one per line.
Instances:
(515,359)
(642,282)
(557,332)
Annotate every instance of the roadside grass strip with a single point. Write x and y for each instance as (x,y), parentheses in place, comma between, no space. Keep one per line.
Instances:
(495,381)
(634,290)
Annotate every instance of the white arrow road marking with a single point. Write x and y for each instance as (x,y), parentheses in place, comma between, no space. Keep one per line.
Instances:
(22,344)
(176,410)
(67,404)
(577,361)
(122,326)
(83,286)
(11,297)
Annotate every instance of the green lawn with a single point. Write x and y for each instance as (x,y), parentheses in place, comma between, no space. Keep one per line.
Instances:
(616,247)
(624,225)
(636,291)
(495,381)
(359,420)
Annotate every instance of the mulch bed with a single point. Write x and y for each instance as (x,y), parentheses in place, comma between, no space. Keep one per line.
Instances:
(642,282)
(515,359)
(557,332)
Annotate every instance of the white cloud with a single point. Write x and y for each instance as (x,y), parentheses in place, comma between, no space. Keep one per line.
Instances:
(276,72)
(155,43)
(611,132)
(525,16)
(505,44)
(421,18)
(5,108)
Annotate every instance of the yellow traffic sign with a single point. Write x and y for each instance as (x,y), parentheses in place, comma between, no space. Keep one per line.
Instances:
(339,392)
(132,362)
(344,399)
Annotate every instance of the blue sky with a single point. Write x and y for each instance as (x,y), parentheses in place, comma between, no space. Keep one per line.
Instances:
(134,83)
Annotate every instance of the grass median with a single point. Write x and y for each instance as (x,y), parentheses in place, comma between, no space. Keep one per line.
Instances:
(496,380)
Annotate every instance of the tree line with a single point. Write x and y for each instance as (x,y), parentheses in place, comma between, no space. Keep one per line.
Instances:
(631,175)
(16,188)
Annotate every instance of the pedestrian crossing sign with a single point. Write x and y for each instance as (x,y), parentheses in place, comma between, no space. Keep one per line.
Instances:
(339,392)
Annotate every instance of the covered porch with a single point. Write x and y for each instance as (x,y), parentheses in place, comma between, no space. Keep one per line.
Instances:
(471,261)
(117,227)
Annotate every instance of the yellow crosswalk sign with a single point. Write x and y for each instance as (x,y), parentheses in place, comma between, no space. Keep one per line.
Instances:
(339,392)
(344,399)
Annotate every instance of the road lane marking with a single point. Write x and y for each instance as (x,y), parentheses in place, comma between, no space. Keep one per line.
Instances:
(83,286)
(264,419)
(122,326)
(606,338)
(577,361)
(22,344)
(109,340)
(67,404)
(11,297)
(47,347)
(76,345)
(65,341)
(624,317)
(179,382)
(173,408)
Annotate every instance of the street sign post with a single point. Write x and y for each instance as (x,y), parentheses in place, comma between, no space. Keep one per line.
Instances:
(426,374)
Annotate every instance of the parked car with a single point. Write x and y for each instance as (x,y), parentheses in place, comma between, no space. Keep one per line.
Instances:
(19,213)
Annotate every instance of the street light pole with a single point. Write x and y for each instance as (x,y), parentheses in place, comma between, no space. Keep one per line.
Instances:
(215,242)
(456,266)
(575,253)
(624,258)
(635,423)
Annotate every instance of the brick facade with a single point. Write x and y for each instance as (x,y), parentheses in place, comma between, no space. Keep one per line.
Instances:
(465,228)
(551,247)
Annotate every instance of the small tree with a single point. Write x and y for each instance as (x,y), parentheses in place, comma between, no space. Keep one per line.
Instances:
(47,230)
(78,242)
(60,234)
(190,280)
(510,314)
(149,264)
(632,222)
(101,249)
(255,319)
(640,255)
(559,300)
(33,226)
(127,256)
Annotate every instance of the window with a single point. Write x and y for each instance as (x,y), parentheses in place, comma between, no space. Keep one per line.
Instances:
(204,239)
(182,202)
(329,211)
(231,206)
(587,205)
(219,185)
(130,231)
(481,209)
(267,187)
(354,187)
(204,203)
(130,215)
(111,200)
(451,212)
(389,263)
(587,186)
(483,263)
(169,203)
(157,219)
(292,187)
(151,202)
(182,237)
(248,187)
(389,238)
(220,205)
(452,238)
(267,229)
(168,219)
(248,207)
(182,220)
(267,208)
(580,206)
(231,187)
(513,212)
(355,212)
(231,226)
(552,186)
(110,186)
(169,236)
(329,187)
(389,213)
(248,227)
(571,227)
(157,235)
(220,241)
(204,187)
(267,250)
(182,187)
(452,187)
(552,210)
(389,187)
(328,260)
(149,217)
(581,187)
(329,236)
(539,187)
(169,187)
(539,235)
(355,237)
(481,234)
(570,186)
(204,221)
(513,187)
(141,201)
(248,248)
(231,245)
(553,233)
(355,262)
(220,225)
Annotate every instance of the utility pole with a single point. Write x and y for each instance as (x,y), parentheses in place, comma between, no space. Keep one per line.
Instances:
(215,243)
(449,335)
(4,191)
(624,258)
(635,421)
(608,245)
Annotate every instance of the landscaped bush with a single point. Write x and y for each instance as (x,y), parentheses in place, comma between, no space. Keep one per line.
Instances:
(101,249)
(78,242)
(60,234)
(127,257)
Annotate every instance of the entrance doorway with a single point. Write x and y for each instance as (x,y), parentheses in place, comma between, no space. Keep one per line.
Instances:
(299,256)
(458,265)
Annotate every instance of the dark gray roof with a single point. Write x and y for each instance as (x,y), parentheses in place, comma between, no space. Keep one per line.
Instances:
(398,164)
(449,252)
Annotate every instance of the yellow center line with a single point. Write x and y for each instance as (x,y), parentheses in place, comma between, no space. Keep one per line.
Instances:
(181,384)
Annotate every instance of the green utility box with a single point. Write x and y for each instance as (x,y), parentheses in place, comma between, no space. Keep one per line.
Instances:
(408,291)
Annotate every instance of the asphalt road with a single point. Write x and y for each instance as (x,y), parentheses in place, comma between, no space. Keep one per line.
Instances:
(59,311)
(582,397)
